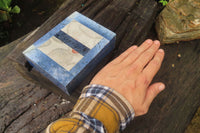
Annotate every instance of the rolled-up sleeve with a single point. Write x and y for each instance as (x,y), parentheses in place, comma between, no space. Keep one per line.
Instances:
(99,109)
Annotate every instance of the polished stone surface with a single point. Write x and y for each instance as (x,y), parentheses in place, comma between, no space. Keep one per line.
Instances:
(69,51)
(83,34)
(61,53)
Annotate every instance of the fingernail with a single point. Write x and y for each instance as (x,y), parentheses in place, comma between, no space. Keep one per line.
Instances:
(161,50)
(149,41)
(157,42)
(134,46)
(161,87)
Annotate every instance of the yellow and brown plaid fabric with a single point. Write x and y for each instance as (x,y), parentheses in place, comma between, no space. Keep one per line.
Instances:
(99,109)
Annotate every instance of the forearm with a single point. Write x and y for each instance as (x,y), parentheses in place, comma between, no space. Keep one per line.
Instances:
(99,109)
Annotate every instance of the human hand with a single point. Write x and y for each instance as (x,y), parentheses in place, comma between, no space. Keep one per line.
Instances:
(131,73)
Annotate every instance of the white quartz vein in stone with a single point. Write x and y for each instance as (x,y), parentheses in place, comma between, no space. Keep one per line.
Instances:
(60,53)
(82,34)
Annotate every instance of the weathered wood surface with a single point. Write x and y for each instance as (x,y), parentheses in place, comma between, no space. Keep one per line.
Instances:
(194,126)
(28,107)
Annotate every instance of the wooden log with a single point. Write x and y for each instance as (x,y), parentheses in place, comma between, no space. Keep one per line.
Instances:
(19,97)
(171,111)
(22,102)
(111,9)
(137,25)
(174,108)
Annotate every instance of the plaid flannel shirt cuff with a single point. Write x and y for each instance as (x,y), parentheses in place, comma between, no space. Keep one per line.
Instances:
(98,96)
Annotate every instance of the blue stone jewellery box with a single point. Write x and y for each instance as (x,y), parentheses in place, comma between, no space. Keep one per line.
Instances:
(69,51)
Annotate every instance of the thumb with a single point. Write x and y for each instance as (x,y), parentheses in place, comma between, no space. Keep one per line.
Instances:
(152,92)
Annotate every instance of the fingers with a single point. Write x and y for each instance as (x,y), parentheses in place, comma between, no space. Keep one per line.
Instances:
(154,65)
(145,77)
(147,55)
(152,92)
(124,55)
(134,55)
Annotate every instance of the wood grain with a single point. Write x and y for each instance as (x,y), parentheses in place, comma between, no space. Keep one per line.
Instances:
(28,99)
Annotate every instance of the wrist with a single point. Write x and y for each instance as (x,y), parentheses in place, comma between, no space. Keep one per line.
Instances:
(106,105)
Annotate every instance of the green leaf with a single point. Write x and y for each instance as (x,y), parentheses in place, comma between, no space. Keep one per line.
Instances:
(9,2)
(15,9)
(163,2)
(4,5)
